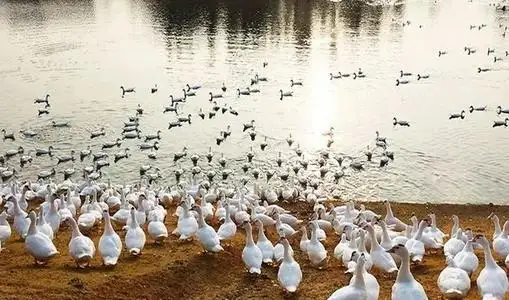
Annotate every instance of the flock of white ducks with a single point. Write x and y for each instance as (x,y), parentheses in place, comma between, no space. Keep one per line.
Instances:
(366,240)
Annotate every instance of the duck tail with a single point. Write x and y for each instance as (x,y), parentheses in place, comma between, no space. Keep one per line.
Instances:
(135,251)
(291,289)
(418,77)
(110,261)
(417,259)
(453,294)
(254,270)
(217,248)
(478,70)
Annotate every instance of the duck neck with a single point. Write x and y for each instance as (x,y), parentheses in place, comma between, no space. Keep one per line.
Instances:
(362,243)
(41,220)
(505,231)
(374,241)
(418,235)
(32,229)
(314,238)
(3,218)
(185,212)
(134,222)
(468,246)
(17,209)
(359,276)
(388,209)
(23,199)
(52,206)
(404,274)
(433,221)
(108,229)
(304,237)
(353,241)
(287,255)
(201,220)
(249,235)
(496,222)
(385,234)
(488,257)
(228,217)
(75,230)
(68,198)
(261,232)
(455,226)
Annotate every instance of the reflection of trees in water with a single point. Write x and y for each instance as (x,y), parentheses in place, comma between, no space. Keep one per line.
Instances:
(40,12)
(356,13)
(252,20)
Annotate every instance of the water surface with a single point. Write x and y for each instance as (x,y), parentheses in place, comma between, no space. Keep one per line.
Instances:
(80,52)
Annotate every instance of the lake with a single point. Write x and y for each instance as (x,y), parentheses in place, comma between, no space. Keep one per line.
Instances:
(81,52)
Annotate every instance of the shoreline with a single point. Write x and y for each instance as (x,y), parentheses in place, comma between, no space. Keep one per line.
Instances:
(177,270)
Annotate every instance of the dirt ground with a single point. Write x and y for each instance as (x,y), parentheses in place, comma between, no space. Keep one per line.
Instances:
(178,270)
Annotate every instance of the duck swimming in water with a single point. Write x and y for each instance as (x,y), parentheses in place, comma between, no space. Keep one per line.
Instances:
(400,122)
(500,123)
(471,109)
(457,116)
(502,111)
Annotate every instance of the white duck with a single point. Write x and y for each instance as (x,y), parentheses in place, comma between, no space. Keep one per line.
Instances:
(304,240)
(501,242)
(316,251)
(52,216)
(492,281)
(341,246)
(346,256)
(454,245)
(406,287)
(357,288)
(37,244)
(287,229)
(206,234)
(391,221)
(433,231)
(228,229)
(220,212)
(415,246)
(123,214)
(456,226)
(135,237)
(81,248)
(466,259)
(21,224)
(63,210)
(5,228)
(381,259)
(372,286)
(207,209)
(361,249)
(110,245)
(266,220)
(156,228)
(265,244)
(289,273)
(252,256)
(453,281)
(86,220)
(496,224)
(402,239)
(44,227)
(279,250)
(186,224)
